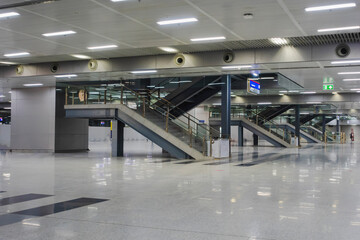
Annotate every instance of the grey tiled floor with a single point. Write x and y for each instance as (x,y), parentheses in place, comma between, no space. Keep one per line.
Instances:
(309,193)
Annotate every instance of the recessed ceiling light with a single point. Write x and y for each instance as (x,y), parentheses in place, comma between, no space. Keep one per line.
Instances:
(346,62)
(66,76)
(294,91)
(351,79)
(279,41)
(348,73)
(33,84)
(281,94)
(102,47)
(10,92)
(264,103)
(2,96)
(237,67)
(208,39)
(9,14)
(214,84)
(267,78)
(118,0)
(168,49)
(334,93)
(7,108)
(355,89)
(144,72)
(313,102)
(177,21)
(8,63)
(63,33)
(80,56)
(308,92)
(339,29)
(283,91)
(330,7)
(16,54)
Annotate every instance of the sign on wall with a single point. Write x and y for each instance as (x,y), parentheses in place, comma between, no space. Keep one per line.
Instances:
(253,86)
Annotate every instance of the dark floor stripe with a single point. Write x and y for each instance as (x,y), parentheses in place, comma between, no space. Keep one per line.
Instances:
(2,191)
(59,207)
(22,198)
(187,162)
(161,161)
(217,163)
(8,219)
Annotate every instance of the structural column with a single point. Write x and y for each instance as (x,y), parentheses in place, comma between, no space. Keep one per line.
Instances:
(256,139)
(117,143)
(337,124)
(297,123)
(241,136)
(226,107)
(323,125)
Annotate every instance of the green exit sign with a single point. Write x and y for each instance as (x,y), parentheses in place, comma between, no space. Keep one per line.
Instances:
(328,87)
(328,80)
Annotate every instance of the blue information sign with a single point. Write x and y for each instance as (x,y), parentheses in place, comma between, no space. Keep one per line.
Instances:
(253,86)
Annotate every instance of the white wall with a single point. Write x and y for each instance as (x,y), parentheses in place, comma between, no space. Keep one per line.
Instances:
(33,119)
(347,130)
(5,135)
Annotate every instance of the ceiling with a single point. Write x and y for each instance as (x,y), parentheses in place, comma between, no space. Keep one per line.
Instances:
(132,26)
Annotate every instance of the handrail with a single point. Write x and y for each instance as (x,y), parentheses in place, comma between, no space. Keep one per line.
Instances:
(191,127)
(271,124)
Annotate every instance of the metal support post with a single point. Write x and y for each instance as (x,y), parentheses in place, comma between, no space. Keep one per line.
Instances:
(256,139)
(241,136)
(117,141)
(226,107)
(297,124)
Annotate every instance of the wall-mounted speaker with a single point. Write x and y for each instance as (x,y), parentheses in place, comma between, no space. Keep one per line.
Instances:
(180,60)
(93,64)
(343,50)
(19,69)
(228,57)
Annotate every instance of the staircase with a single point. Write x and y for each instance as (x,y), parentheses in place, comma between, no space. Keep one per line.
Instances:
(190,95)
(272,112)
(272,137)
(183,137)
(308,137)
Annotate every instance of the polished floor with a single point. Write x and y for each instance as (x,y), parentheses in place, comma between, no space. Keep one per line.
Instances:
(260,193)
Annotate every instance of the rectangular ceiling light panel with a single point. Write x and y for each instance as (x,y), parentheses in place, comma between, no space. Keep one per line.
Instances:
(177,21)
(54,34)
(330,7)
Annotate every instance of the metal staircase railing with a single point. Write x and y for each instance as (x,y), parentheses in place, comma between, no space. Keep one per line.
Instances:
(187,128)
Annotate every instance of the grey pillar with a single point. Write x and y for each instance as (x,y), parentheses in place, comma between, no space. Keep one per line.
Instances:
(256,139)
(117,142)
(241,136)
(323,125)
(226,107)
(337,124)
(297,123)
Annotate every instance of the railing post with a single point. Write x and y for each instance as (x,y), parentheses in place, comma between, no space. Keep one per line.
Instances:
(229,147)
(73,99)
(105,92)
(190,138)
(144,107)
(99,96)
(66,96)
(204,146)
(325,140)
(211,139)
(122,95)
(85,96)
(188,122)
(167,120)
